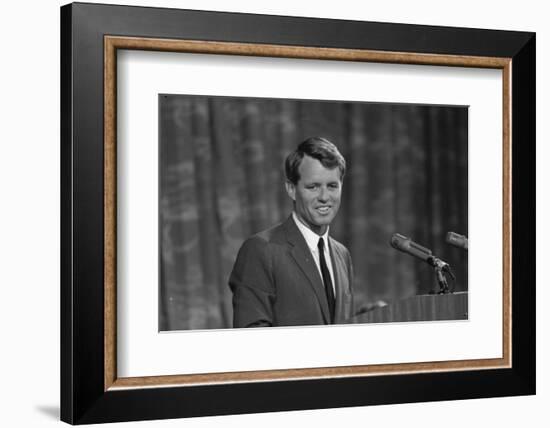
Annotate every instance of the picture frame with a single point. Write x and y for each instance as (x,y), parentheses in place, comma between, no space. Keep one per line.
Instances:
(90,389)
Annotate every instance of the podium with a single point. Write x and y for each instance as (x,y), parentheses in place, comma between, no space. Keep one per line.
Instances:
(426,307)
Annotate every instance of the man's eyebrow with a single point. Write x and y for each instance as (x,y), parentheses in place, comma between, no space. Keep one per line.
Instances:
(318,183)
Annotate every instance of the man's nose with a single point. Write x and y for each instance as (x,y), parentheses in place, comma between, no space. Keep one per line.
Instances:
(323,194)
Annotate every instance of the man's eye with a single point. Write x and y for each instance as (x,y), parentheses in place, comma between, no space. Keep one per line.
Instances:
(311,186)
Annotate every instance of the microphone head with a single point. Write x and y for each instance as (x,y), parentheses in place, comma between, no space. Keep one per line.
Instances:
(457,240)
(399,241)
(402,243)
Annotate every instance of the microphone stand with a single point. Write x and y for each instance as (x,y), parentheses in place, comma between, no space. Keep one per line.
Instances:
(440,267)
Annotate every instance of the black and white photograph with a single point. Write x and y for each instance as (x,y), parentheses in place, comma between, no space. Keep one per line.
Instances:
(266,211)
(289,212)
(161,264)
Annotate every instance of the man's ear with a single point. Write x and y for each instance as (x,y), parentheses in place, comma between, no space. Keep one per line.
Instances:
(290,189)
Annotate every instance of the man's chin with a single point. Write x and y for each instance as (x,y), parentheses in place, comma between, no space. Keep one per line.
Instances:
(321,221)
(316,221)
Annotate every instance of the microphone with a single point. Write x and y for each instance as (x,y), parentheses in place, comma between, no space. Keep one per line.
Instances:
(457,240)
(406,245)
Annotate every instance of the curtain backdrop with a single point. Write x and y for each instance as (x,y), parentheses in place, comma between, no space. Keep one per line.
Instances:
(221,180)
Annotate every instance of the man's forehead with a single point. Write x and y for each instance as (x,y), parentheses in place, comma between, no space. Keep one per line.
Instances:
(311,168)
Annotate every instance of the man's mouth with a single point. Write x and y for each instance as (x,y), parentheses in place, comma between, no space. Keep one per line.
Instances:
(323,209)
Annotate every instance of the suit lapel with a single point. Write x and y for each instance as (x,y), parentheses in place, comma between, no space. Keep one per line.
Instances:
(304,259)
(341,280)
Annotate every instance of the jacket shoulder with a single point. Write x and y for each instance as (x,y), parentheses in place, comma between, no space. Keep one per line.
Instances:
(260,242)
(274,234)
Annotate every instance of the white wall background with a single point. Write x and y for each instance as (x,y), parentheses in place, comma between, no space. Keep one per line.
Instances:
(29,218)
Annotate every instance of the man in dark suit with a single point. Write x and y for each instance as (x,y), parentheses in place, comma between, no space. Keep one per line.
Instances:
(294,273)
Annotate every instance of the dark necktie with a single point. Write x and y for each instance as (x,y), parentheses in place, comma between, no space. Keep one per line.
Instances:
(326,279)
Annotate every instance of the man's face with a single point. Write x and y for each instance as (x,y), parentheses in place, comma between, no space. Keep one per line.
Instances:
(316,195)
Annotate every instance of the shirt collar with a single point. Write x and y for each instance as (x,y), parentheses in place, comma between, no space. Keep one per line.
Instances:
(312,239)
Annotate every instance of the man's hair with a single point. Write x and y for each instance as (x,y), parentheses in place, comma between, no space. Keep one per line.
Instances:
(318,148)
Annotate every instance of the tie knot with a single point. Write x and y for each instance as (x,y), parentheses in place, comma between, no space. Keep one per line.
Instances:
(321,244)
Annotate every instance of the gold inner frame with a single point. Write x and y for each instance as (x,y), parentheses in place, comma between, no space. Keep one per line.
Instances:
(112,43)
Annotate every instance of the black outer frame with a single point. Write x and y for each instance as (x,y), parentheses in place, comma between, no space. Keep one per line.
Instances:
(83,399)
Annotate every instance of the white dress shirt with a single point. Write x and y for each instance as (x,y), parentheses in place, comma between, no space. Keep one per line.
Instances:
(312,239)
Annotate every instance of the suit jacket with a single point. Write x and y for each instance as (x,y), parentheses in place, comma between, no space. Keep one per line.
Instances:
(275,281)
